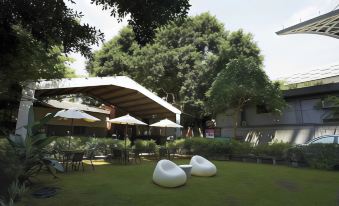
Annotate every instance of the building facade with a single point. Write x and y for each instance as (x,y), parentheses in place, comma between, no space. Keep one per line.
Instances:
(305,117)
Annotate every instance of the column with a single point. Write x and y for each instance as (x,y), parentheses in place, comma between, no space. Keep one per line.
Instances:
(27,98)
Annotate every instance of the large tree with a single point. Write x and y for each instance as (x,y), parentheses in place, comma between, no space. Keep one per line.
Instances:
(37,35)
(243,82)
(181,62)
(45,24)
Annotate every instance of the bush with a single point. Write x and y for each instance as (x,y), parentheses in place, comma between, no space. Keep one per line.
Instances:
(241,148)
(148,146)
(76,143)
(101,146)
(321,156)
(276,150)
(10,166)
(295,154)
(140,146)
(215,148)
(151,146)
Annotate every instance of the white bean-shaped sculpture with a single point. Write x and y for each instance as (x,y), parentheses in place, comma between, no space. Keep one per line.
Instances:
(202,167)
(168,174)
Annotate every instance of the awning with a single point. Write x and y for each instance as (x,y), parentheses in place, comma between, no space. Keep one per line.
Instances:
(119,91)
(326,24)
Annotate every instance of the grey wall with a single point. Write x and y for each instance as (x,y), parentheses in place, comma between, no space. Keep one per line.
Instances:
(290,134)
(297,112)
(299,122)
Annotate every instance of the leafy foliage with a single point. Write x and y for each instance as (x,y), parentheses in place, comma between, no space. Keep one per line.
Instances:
(10,166)
(146,16)
(276,150)
(53,23)
(35,34)
(30,151)
(31,61)
(294,154)
(16,190)
(322,156)
(180,64)
(242,82)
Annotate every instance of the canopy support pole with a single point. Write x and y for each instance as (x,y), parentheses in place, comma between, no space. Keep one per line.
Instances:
(177,120)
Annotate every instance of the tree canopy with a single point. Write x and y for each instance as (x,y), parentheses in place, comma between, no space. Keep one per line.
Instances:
(243,82)
(180,63)
(30,31)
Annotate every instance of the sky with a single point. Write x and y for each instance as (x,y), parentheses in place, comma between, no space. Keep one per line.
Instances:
(284,55)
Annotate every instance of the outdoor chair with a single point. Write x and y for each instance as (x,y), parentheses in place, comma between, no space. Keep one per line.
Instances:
(163,153)
(67,159)
(202,167)
(77,161)
(117,154)
(90,156)
(136,156)
(171,153)
(168,174)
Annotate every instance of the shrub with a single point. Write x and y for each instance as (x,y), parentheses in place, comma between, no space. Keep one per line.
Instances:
(215,148)
(187,146)
(140,145)
(16,190)
(322,156)
(10,166)
(101,146)
(276,150)
(218,148)
(294,154)
(241,148)
(151,146)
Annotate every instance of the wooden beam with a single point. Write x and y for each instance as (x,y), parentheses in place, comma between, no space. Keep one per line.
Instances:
(151,112)
(144,107)
(106,91)
(143,104)
(123,95)
(119,91)
(124,100)
(129,104)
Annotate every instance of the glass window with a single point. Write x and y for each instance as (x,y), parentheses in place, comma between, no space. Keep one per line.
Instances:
(325,140)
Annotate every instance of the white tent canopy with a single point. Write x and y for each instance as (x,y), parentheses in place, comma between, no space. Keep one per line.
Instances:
(119,91)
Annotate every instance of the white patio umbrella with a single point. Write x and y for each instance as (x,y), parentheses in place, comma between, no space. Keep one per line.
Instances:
(166,123)
(126,120)
(75,113)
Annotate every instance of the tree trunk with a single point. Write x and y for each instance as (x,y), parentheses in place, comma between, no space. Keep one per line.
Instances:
(235,122)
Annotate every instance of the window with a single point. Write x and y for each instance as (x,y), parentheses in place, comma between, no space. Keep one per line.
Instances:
(261,109)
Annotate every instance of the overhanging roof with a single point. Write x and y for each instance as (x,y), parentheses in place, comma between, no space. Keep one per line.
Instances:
(119,91)
(326,24)
(320,74)
(318,90)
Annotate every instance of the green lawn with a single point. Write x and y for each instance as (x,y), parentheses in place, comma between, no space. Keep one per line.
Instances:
(235,184)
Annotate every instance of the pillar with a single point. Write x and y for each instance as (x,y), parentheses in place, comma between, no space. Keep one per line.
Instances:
(27,98)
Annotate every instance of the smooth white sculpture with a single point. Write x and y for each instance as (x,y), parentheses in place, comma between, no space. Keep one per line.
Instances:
(202,167)
(168,174)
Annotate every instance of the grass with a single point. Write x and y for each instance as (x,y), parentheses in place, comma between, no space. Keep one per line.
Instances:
(235,184)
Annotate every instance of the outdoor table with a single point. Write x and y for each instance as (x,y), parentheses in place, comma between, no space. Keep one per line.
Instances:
(187,169)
